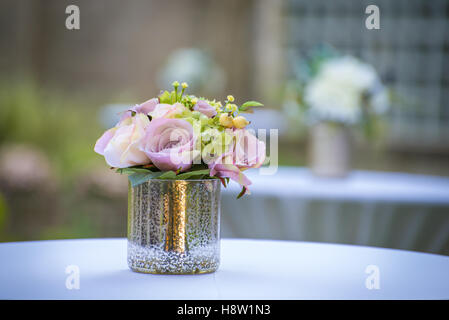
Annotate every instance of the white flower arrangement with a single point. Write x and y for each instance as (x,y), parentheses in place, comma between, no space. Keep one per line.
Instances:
(345,90)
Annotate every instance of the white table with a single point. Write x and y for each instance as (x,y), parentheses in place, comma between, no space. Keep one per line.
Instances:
(363,186)
(387,209)
(250,269)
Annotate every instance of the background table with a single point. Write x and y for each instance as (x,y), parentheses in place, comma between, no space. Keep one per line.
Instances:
(250,269)
(385,209)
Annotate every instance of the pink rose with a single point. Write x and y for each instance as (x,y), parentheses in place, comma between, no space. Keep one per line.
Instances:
(245,152)
(147,106)
(205,108)
(249,151)
(120,145)
(163,110)
(169,144)
(144,108)
(229,171)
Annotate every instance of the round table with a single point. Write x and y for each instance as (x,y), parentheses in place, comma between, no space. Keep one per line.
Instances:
(384,209)
(250,269)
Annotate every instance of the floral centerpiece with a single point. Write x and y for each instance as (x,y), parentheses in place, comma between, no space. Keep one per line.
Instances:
(346,91)
(337,93)
(175,147)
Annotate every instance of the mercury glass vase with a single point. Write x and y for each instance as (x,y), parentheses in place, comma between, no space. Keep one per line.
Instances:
(174,226)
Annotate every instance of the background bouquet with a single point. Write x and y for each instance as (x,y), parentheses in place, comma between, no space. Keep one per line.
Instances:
(332,94)
(340,89)
(179,136)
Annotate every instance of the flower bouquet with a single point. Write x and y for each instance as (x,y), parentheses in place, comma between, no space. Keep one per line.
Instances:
(338,93)
(177,149)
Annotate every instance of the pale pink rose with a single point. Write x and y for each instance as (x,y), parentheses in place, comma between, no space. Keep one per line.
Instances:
(120,145)
(164,110)
(147,106)
(224,167)
(245,152)
(169,144)
(205,108)
(103,141)
(249,152)
(144,108)
(229,171)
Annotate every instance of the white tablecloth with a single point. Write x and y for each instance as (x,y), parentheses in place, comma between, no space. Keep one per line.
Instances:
(363,186)
(249,269)
(393,210)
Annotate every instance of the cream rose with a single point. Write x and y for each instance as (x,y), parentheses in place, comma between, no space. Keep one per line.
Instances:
(163,110)
(120,145)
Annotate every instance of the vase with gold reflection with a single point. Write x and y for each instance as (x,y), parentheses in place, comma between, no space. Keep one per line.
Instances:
(174,226)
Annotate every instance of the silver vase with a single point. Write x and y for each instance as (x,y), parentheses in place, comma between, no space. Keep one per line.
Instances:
(174,226)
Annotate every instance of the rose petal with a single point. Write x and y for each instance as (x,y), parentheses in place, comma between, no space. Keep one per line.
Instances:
(169,143)
(230,171)
(103,141)
(147,106)
(205,108)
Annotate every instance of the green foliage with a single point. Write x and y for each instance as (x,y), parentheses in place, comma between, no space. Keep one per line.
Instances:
(64,128)
(133,170)
(169,97)
(197,174)
(244,189)
(140,175)
(313,60)
(3,211)
(168,175)
(165,97)
(249,104)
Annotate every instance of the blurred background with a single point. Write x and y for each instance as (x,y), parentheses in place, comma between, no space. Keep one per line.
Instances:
(60,89)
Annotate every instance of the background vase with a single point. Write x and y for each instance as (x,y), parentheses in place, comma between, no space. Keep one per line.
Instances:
(330,150)
(174,226)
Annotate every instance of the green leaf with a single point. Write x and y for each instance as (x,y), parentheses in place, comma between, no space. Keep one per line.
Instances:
(167,175)
(132,170)
(165,97)
(191,174)
(139,177)
(250,104)
(223,182)
(242,192)
(173,97)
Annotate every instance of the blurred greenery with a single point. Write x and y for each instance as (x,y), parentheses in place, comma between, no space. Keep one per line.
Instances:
(3,212)
(65,129)
(68,204)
